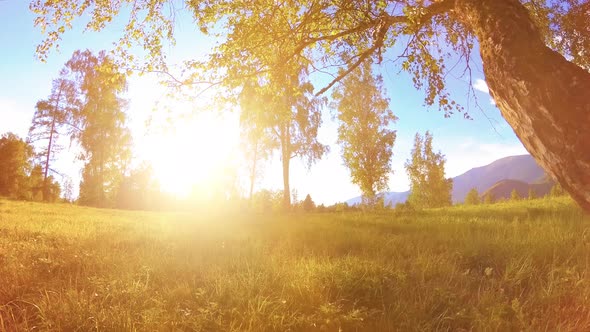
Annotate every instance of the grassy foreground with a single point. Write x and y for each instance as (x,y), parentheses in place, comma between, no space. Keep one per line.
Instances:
(519,266)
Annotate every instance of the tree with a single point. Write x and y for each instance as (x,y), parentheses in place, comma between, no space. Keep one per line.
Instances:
(52,189)
(308,204)
(53,117)
(138,190)
(364,133)
(68,189)
(103,135)
(289,117)
(556,191)
(514,196)
(38,188)
(37,184)
(521,43)
(428,186)
(532,194)
(15,166)
(472,197)
(257,143)
(489,198)
(267,201)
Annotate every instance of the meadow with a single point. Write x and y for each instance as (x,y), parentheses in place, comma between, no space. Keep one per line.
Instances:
(501,267)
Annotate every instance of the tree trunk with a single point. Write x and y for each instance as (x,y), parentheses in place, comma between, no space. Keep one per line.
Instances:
(286,159)
(543,96)
(45,175)
(45,191)
(253,170)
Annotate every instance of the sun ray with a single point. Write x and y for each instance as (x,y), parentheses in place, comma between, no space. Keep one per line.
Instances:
(191,154)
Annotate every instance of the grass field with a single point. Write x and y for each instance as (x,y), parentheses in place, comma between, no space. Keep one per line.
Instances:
(502,267)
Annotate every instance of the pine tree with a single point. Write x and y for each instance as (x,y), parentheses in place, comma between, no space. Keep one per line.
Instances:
(532,194)
(489,198)
(53,118)
(472,197)
(38,184)
(308,204)
(428,186)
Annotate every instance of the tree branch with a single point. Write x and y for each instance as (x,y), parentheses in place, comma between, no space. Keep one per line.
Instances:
(384,23)
(360,60)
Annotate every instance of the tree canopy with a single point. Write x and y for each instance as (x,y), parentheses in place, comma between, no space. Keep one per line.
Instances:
(429,188)
(364,132)
(101,120)
(281,113)
(308,204)
(15,166)
(53,118)
(514,195)
(472,197)
(265,35)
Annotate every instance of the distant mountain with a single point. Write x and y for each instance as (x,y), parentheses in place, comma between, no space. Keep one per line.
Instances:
(391,198)
(521,168)
(504,188)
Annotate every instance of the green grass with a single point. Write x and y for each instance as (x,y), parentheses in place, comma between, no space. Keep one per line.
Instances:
(511,266)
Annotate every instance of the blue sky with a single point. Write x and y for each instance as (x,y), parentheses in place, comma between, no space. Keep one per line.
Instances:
(466,143)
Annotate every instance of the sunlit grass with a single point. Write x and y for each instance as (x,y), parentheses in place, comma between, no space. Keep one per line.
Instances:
(511,266)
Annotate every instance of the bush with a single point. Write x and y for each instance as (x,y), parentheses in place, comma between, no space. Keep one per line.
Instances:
(308,204)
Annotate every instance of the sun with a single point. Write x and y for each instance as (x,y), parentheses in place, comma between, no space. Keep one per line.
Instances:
(193,154)
(189,143)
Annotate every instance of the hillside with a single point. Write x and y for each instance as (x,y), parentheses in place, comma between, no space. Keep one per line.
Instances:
(504,188)
(520,168)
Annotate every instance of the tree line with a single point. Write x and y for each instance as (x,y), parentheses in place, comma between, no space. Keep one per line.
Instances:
(365,135)
(267,54)
(474,197)
(275,46)
(85,108)
(19,177)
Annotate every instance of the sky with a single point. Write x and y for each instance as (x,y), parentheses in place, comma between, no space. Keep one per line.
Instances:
(24,80)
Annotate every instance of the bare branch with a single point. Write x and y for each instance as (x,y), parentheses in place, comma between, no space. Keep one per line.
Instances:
(384,23)
(360,60)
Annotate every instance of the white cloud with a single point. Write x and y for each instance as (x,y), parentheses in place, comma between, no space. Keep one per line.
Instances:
(481,85)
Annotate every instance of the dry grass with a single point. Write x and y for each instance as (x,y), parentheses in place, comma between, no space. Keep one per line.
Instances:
(520,266)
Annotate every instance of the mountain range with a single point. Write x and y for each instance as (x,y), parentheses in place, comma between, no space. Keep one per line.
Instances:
(503,175)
